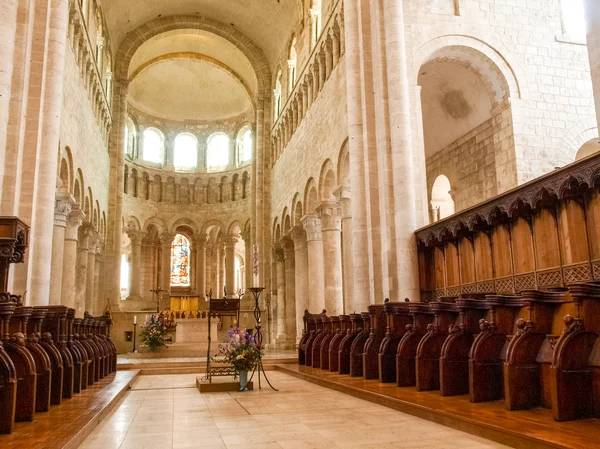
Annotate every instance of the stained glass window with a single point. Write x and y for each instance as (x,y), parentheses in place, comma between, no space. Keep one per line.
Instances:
(180,261)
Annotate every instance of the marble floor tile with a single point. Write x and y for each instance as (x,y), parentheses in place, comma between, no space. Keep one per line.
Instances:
(161,412)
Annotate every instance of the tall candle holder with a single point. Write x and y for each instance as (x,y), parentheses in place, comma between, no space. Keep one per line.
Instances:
(256,291)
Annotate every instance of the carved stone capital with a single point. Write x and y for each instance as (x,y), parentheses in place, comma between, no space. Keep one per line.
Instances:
(278,253)
(298,235)
(313,227)
(166,239)
(62,209)
(287,246)
(231,240)
(136,237)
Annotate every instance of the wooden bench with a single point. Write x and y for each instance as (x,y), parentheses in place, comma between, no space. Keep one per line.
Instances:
(336,341)
(345,351)
(377,326)
(422,316)
(397,318)
(334,327)
(358,346)
(8,377)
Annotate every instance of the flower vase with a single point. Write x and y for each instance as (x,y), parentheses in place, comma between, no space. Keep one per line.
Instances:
(243,380)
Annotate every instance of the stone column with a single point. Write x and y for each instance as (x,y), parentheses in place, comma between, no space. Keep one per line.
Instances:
(47,162)
(343,197)
(331,227)
(62,209)
(405,199)
(281,294)
(8,28)
(328,57)
(248,259)
(316,281)
(316,78)
(305,95)
(74,221)
(592,15)
(136,263)
(289,260)
(335,42)
(85,233)
(97,299)
(230,242)
(166,240)
(201,266)
(91,273)
(309,89)
(223,268)
(322,70)
(300,276)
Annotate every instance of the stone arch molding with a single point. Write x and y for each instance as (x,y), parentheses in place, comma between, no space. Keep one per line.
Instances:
(579,134)
(476,52)
(172,23)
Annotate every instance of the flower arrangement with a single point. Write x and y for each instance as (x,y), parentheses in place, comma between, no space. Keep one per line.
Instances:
(240,350)
(154,330)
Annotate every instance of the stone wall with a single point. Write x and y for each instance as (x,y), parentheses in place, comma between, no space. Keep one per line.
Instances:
(470,162)
(548,76)
(319,137)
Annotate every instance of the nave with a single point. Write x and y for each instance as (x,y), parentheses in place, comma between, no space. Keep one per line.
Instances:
(300,416)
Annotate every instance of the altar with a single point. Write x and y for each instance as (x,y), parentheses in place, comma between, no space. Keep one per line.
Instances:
(194,330)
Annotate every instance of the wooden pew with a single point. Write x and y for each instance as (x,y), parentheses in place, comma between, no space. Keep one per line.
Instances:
(427,361)
(46,341)
(105,350)
(79,355)
(55,324)
(106,319)
(573,395)
(316,344)
(344,354)
(334,327)
(24,363)
(336,341)
(486,375)
(43,363)
(397,318)
(8,376)
(85,346)
(309,326)
(87,337)
(526,380)
(377,325)
(407,348)
(454,356)
(318,328)
(358,346)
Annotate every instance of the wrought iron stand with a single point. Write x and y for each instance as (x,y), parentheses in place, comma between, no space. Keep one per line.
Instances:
(256,291)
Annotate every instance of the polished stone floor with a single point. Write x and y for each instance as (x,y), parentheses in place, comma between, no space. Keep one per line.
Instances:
(168,412)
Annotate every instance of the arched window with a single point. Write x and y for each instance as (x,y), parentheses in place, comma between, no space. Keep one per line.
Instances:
(588,148)
(573,19)
(154,146)
(442,203)
(185,153)
(293,57)
(130,140)
(277,95)
(244,145)
(217,152)
(124,282)
(315,19)
(180,261)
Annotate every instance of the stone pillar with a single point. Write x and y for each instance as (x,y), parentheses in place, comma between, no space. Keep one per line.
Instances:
(91,273)
(309,90)
(405,198)
(248,259)
(97,299)
(296,285)
(316,281)
(335,42)
(343,197)
(281,297)
(62,210)
(8,28)
(166,240)
(136,263)
(201,267)
(47,163)
(322,70)
(316,78)
(331,227)
(305,95)
(328,57)
(85,234)
(230,242)
(74,221)
(592,15)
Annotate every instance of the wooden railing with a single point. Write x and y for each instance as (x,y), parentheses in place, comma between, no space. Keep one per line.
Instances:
(542,235)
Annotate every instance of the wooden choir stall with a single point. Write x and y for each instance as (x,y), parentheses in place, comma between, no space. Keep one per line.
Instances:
(46,354)
(509,307)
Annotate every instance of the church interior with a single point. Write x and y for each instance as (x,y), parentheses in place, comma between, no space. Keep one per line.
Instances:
(397,202)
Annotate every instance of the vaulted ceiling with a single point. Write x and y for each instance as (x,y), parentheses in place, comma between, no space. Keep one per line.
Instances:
(268,23)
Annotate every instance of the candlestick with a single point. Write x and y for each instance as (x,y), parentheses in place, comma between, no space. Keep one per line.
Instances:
(135,319)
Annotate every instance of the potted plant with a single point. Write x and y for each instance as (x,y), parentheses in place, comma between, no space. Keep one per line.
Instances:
(154,331)
(241,351)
